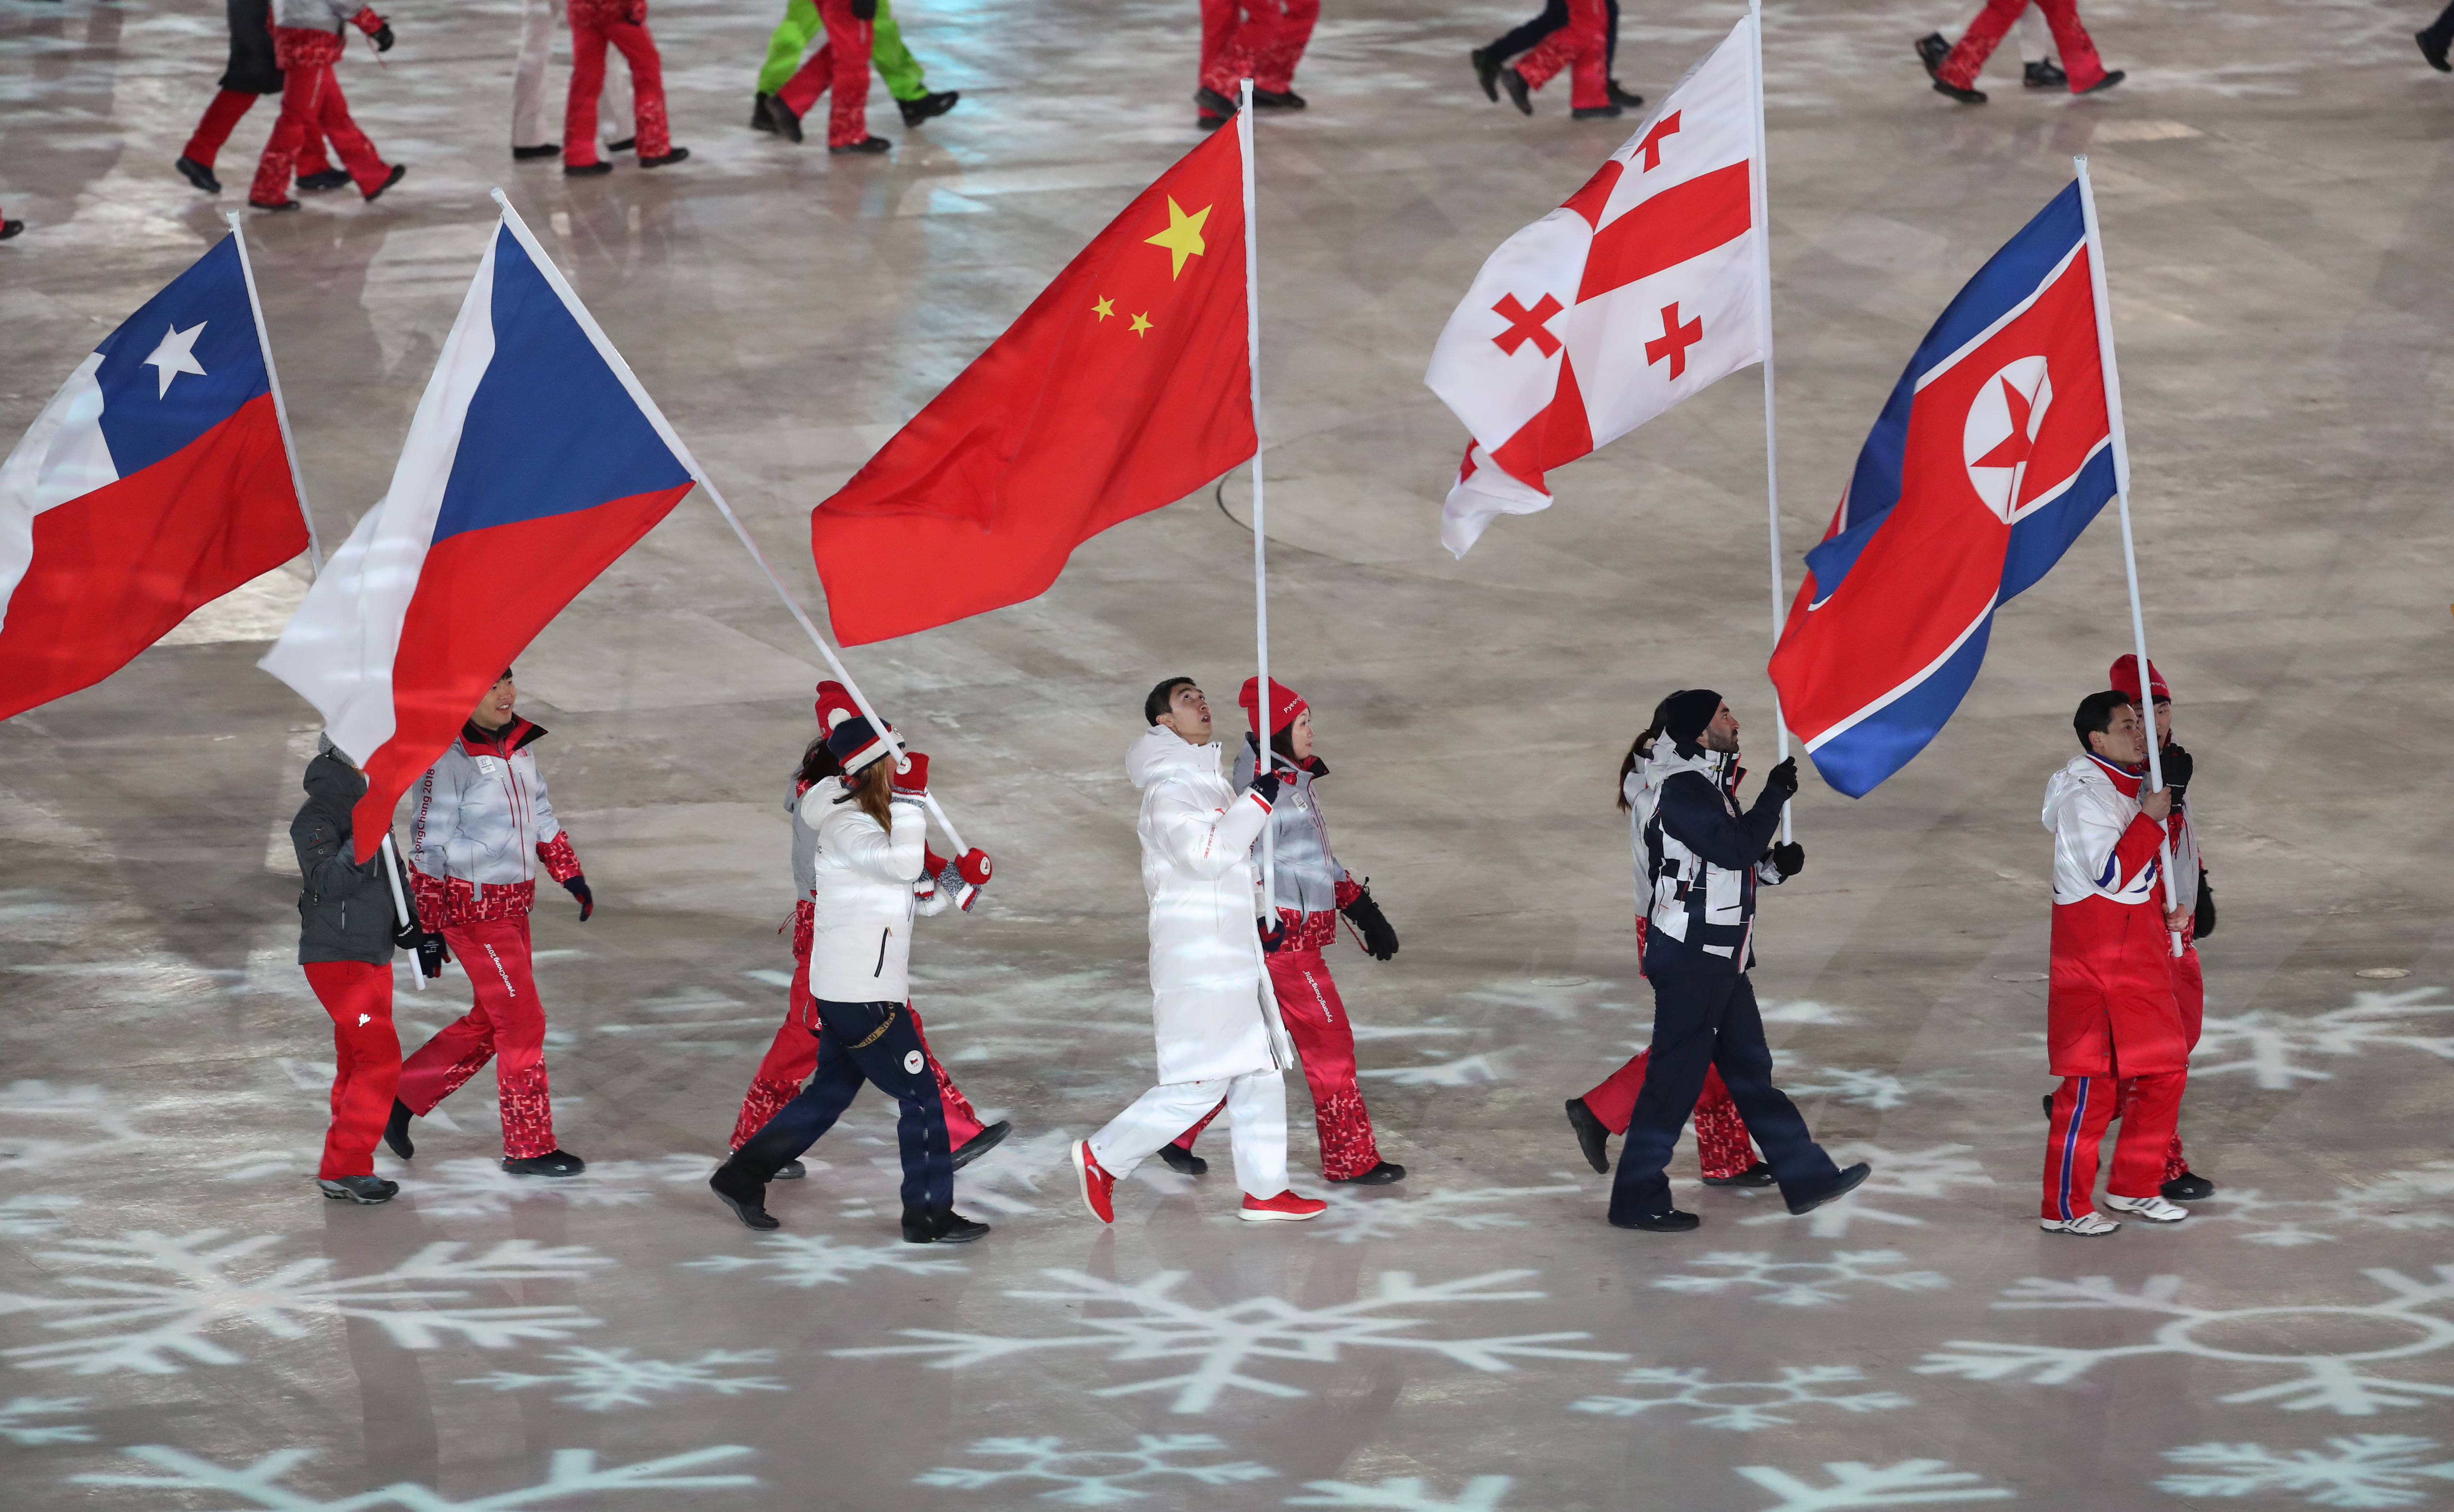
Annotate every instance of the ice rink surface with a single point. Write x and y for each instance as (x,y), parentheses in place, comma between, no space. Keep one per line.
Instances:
(184,1324)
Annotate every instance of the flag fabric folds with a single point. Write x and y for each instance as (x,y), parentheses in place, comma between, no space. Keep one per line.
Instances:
(1993,454)
(1640,291)
(532,462)
(1124,386)
(153,482)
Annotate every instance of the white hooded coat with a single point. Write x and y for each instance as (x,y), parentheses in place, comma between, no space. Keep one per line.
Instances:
(861,876)
(1210,1006)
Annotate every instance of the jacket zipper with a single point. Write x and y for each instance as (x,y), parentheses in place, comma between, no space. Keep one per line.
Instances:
(882,935)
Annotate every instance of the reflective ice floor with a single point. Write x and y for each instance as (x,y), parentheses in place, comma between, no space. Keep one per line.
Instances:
(185,1324)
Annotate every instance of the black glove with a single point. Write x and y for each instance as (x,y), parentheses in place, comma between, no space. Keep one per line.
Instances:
(2204,924)
(409,935)
(2176,764)
(864,10)
(383,37)
(1784,779)
(431,953)
(1789,859)
(1272,935)
(1267,785)
(577,887)
(1380,941)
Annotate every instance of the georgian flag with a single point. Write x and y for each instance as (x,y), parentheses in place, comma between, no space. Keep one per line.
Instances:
(1642,288)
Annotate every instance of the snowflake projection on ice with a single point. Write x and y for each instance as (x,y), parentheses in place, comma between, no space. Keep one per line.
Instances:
(570,1473)
(1745,1405)
(1804,1283)
(1462,1072)
(815,1260)
(2402,1201)
(1406,1493)
(31,1216)
(1855,1485)
(1471,1209)
(1096,1476)
(2275,1051)
(1928,1174)
(1868,1089)
(1019,1175)
(18,1427)
(99,1123)
(1223,1342)
(601,1380)
(2395,1329)
(2367,1469)
(155,1302)
(481,1188)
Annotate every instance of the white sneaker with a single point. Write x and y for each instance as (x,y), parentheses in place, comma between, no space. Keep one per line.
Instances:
(2154,1209)
(2087,1225)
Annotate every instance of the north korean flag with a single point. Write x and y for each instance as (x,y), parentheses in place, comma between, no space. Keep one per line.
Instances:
(153,482)
(534,459)
(1993,454)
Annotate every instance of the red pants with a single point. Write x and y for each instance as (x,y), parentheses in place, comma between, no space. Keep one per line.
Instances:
(223,114)
(2081,1109)
(506,1025)
(2079,56)
(1582,48)
(2190,990)
(1721,1144)
(1261,40)
(842,62)
(366,1062)
(312,105)
(595,23)
(1316,1019)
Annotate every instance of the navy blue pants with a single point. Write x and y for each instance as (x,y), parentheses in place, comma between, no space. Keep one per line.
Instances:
(1554,16)
(874,1043)
(2441,31)
(1707,1018)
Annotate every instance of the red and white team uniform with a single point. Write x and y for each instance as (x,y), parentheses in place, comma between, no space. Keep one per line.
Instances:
(306,43)
(1580,48)
(2080,59)
(2112,1018)
(1261,40)
(2189,981)
(483,827)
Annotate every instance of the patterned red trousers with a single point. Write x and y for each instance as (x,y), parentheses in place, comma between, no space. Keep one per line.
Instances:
(1581,46)
(505,1025)
(214,128)
(624,23)
(1261,40)
(2071,41)
(312,104)
(841,63)
(1722,1147)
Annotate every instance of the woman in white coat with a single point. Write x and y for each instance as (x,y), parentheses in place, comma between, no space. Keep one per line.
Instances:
(869,852)
(1216,1020)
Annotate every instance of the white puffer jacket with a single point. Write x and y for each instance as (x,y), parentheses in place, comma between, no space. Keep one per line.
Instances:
(931,899)
(860,889)
(1210,1006)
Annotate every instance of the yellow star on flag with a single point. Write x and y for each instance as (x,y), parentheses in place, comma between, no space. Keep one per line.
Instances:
(1141,323)
(1182,238)
(1105,308)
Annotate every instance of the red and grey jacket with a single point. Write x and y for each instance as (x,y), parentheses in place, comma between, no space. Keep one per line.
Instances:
(483,824)
(326,15)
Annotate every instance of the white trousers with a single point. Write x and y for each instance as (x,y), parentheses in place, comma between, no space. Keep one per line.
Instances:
(539,21)
(1257,1127)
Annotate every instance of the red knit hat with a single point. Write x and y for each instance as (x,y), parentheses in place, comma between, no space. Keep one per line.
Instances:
(2123,678)
(834,706)
(1285,703)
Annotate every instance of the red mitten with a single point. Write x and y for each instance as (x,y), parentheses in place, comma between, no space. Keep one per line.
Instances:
(967,874)
(366,21)
(913,782)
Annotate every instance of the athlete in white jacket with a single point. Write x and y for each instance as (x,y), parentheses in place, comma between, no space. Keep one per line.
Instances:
(1215,1020)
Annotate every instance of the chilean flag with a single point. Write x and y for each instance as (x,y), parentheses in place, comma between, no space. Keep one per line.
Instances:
(154,481)
(534,459)
(1992,455)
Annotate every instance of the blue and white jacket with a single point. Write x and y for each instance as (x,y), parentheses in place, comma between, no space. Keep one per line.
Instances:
(1700,855)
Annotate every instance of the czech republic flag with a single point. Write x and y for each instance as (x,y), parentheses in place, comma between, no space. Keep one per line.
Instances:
(534,460)
(153,482)
(1993,454)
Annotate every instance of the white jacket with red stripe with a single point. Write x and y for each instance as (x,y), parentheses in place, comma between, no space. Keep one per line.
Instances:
(482,825)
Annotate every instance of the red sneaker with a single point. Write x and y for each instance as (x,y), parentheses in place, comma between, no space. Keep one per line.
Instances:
(1099,1187)
(1284,1208)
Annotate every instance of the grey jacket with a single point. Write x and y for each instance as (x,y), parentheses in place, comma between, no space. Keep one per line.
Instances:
(345,911)
(1306,873)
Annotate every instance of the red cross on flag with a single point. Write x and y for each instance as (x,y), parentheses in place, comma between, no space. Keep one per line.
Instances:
(1644,287)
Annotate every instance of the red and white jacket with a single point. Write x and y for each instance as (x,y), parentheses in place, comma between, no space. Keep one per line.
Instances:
(482,825)
(2109,1004)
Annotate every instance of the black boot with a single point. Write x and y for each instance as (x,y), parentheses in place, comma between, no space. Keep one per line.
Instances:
(1755,1175)
(2044,75)
(330,178)
(760,103)
(363,1190)
(941,1225)
(2107,82)
(743,1192)
(396,1132)
(1673,1222)
(982,1142)
(2187,1187)
(198,174)
(1931,50)
(623,145)
(1592,1136)
(1278,100)
(11,228)
(1486,72)
(783,120)
(1846,1183)
(1183,1161)
(586,169)
(867,146)
(1626,98)
(554,1162)
(926,106)
(399,171)
(1594,112)
(530,154)
(2433,48)
(678,155)
(1519,94)
(1963,96)
(1380,1175)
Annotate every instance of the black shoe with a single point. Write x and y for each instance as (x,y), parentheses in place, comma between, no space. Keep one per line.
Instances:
(1755,1175)
(1486,72)
(556,1163)
(1624,97)
(926,106)
(11,228)
(273,204)
(1207,122)
(866,147)
(982,1142)
(396,1131)
(399,171)
(330,178)
(743,1192)
(1846,1183)
(1183,1161)
(2434,52)
(678,155)
(530,154)
(790,1171)
(1278,100)
(1595,112)
(623,145)
(2187,1187)
(1963,96)
(363,1190)
(198,174)
(1214,103)
(2106,83)
(2044,75)
(784,121)
(941,1225)
(1673,1222)
(759,118)
(586,170)
(1931,50)
(2049,1107)
(1519,94)
(1380,1175)
(1592,1136)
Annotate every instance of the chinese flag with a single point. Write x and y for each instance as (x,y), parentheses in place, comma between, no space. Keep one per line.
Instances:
(1124,386)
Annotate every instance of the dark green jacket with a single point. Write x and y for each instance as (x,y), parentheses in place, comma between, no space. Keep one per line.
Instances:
(345,911)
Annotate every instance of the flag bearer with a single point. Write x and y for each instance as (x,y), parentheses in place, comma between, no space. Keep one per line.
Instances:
(802,25)
(306,43)
(483,827)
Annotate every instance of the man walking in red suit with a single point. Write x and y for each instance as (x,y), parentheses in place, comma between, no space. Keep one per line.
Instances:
(1261,40)
(252,72)
(623,24)
(1954,70)
(2111,1015)
(840,63)
(306,44)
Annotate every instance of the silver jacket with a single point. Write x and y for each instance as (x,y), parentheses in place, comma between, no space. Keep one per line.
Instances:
(1306,873)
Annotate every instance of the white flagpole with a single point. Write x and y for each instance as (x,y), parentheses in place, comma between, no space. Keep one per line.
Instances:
(1762,195)
(2121,499)
(399,901)
(280,408)
(639,393)
(1261,535)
